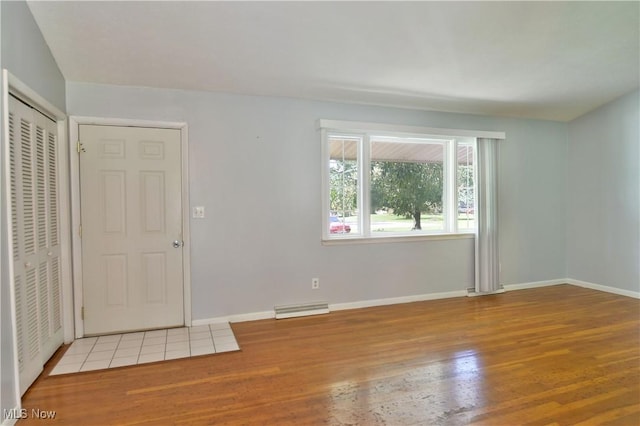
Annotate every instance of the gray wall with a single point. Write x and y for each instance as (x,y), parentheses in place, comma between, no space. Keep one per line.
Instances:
(603,223)
(255,166)
(26,55)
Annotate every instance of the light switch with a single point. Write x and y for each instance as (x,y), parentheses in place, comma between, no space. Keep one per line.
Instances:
(198,212)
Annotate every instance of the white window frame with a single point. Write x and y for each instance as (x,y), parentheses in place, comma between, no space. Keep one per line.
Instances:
(450,139)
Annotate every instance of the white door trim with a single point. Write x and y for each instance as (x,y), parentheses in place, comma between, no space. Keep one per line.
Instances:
(75,315)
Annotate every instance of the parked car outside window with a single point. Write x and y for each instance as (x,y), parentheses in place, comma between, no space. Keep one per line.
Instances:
(337,226)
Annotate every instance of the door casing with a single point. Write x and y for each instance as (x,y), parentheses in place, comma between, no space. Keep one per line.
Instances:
(75,314)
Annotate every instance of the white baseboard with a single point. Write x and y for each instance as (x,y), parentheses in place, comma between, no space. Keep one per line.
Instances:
(335,307)
(420,298)
(396,300)
(471,292)
(535,284)
(606,288)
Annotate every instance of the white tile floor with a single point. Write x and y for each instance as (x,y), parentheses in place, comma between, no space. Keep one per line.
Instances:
(119,350)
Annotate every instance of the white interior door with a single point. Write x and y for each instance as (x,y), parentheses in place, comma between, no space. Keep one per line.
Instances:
(131,214)
(33,144)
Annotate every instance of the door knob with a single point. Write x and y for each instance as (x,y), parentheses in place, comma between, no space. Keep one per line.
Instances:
(178,244)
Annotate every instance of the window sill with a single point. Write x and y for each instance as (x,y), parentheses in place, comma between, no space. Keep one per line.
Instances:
(396,239)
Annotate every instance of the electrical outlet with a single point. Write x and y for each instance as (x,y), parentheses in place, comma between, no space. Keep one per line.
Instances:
(315,283)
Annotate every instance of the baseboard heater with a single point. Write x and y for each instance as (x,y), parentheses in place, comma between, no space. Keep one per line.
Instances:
(302,310)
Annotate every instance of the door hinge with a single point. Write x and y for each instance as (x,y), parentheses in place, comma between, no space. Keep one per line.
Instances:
(82,313)
(80,231)
(80,147)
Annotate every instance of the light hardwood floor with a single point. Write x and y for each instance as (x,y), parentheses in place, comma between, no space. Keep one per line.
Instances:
(559,355)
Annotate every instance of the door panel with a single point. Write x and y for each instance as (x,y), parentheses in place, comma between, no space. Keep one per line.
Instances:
(153,277)
(113,202)
(152,191)
(131,192)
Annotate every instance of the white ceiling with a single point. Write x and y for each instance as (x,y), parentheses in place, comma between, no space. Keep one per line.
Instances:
(547,60)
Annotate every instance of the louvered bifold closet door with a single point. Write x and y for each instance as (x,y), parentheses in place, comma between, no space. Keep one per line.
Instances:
(24,254)
(36,251)
(47,238)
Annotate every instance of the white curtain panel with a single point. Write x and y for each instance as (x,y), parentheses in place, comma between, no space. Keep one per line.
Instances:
(486,259)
